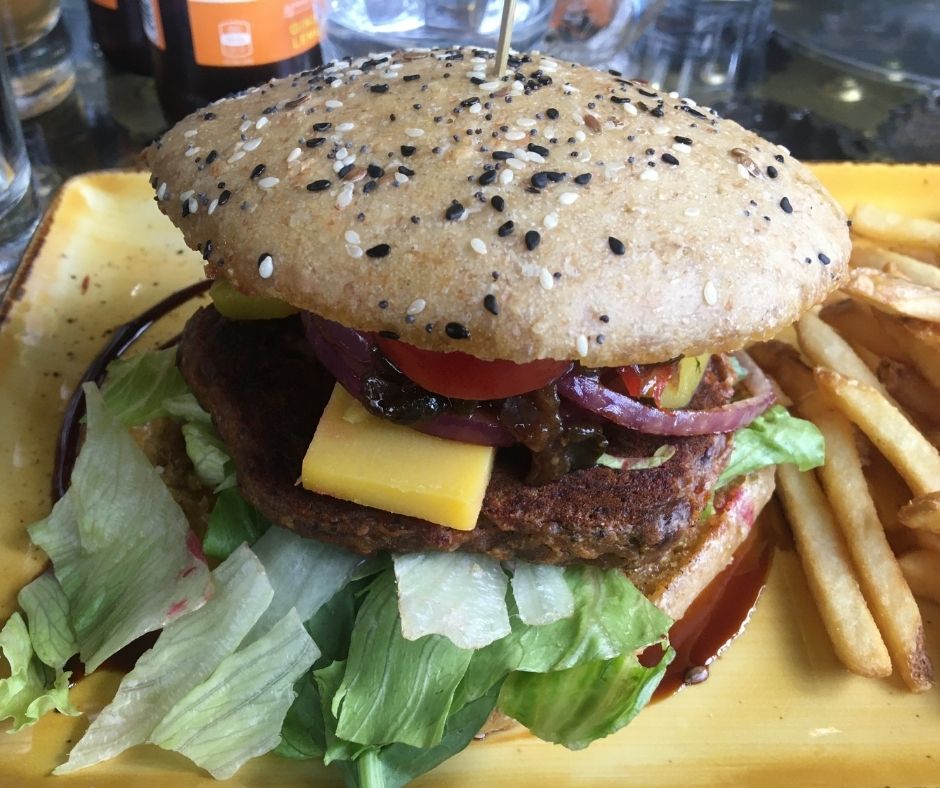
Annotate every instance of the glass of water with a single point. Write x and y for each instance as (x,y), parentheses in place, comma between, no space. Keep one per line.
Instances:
(15,193)
(358,27)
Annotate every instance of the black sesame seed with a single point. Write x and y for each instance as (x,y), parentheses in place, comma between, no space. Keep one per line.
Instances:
(345,170)
(505,229)
(213,155)
(556,177)
(670,159)
(209,116)
(315,142)
(379,88)
(647,93)
(785,205)
(316,186)
(411,77)
(322,126)
(406,170)
(498,203)
(824,259)
(415,219)
(385,334)
(454,211)
(620,99)
(502,155)
(778,158)
(539,180)
(604,318)
(583,179)
(370,187)
(207,250)
(552,113)
(539,149)
(487,178)
(185,208)
(257,172)
(224,196)
(375,171)
(379,250)
(490,305)
(683,140)
(532,239)
(657,112)
(408,150)
(457,331)
(383,304)
(616,245)
(771,171)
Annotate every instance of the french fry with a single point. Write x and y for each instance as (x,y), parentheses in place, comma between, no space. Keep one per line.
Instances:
(865,254)
(922,570)
(855,637)
(910,390)
(893,294)
(888,489)
(915,458)
(784,365)
(923,513)
(855,324)
(879,575)
(826,348)
(919,341)
(895,228)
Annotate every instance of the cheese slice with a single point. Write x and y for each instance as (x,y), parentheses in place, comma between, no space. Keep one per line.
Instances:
(362,458)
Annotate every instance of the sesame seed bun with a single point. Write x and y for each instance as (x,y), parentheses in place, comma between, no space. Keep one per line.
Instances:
(557,212)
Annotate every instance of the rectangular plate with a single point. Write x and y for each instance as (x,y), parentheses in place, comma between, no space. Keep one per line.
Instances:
(778,707)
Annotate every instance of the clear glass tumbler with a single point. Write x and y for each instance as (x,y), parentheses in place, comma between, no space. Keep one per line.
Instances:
(16,204)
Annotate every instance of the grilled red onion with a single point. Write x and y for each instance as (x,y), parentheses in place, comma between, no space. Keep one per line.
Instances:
(592,395)
(348,355)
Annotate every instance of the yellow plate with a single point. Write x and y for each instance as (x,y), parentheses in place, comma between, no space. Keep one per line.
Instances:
(777,710)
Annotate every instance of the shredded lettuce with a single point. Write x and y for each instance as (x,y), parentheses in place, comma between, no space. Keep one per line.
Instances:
(461,596)
(138,387)
(47,613)
(187,652)
(659,457)
(773,438)
(542,594)
(208,454)
(31,689)
(120,546)
(232,521)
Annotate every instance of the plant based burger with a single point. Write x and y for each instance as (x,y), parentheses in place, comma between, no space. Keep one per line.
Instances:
(471,387)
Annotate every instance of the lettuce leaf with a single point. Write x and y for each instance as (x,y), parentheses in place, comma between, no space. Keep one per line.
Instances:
(393,689)
(31,689)
(187,652)
(461,596)
(237,713)
(208,454)
(232,521)
(47,614)
(138,387)
(120,546)
(773,438)
(542,594)
(579,705)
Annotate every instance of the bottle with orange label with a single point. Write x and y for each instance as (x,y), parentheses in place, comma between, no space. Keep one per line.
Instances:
(120,34)
(205,49)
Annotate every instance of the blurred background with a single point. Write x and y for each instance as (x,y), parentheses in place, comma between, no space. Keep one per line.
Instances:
(85,84)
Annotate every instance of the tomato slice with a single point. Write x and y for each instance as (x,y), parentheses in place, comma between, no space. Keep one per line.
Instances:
(647,380)
(463,376)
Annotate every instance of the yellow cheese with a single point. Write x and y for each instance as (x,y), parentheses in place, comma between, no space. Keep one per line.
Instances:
(359,457)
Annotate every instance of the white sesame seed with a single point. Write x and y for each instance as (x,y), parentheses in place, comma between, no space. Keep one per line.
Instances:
(417,307)
(585,155)
(333,103)
(546,280)
(710,293)
(252,144)
(537,158)
(580,136)
(742,171)
(516,163)
(785,149)
(681,147)
(261,122)
(661,129)
(266,267)
(294,155)
(190,152)
(517,85)
(506,176)
(336,83)
(346,126)
(689,102)
(400,177)
(269,183)
(649,174)
(478,59)
(476,109)
(414,132)
(239,154)
(187,194)
(341,153)
(549,132)
(190,133)
(692,212)
(582,345)
(673,94)
(490,85)
(350,158)
(345,196)
(515,135)
(212,206)
(568,198)
(338,165)
(526,122)
(353,251)
(478,246)
(161,192)
(550,221)
(193,205)
(352,237)
(548,65)
(629,109)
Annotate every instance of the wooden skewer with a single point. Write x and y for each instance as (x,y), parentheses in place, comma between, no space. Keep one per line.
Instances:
(505,37)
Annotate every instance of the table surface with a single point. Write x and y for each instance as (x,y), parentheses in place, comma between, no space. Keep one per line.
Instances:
(817,110)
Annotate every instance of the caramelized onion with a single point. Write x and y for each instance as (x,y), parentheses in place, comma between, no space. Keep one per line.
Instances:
(589,393)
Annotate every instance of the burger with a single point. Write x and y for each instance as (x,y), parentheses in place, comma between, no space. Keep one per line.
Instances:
(486,331)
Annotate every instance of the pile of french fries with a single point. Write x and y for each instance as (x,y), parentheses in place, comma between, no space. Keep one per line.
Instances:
(865,368)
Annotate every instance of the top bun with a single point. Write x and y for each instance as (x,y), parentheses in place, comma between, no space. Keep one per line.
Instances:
(554,212)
